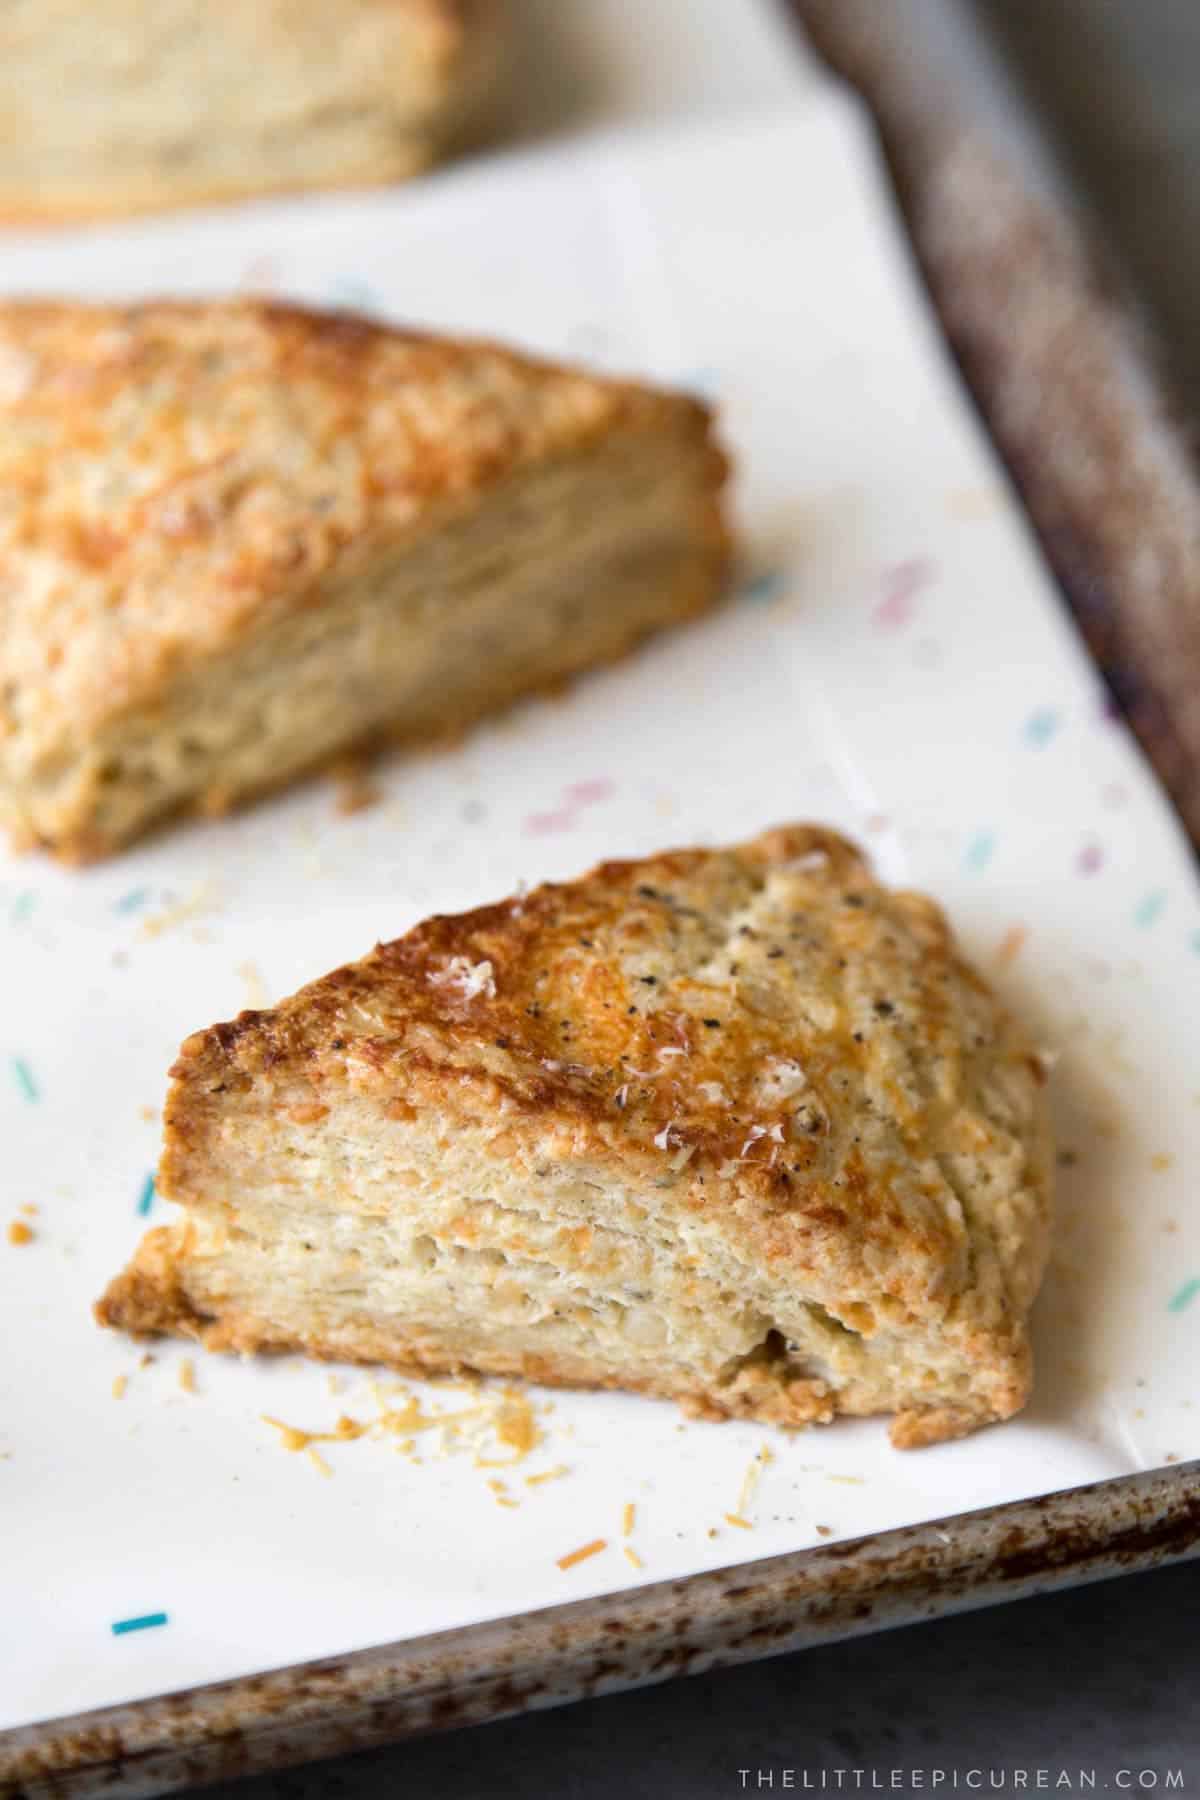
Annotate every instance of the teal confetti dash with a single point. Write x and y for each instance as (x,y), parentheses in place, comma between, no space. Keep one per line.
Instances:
(1196,942)
(22,906)
(767,585)
(1149,908)
(979,852)
(147,1196)
(1041,726)
(144,1622)
(351,291)
(699,381)
(132,900)
(23,1075)
(1183,1298)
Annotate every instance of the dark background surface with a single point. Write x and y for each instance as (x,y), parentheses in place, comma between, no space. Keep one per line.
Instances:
(1105,1678)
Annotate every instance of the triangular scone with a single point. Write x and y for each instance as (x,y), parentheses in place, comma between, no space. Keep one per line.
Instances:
(124,106)
(733,1127)
(236,539)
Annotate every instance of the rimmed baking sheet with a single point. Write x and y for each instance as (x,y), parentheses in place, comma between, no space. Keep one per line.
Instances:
(894,661)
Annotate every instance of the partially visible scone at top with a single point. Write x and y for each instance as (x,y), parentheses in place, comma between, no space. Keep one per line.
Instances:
(124,106)
(737,1128)
(237,539)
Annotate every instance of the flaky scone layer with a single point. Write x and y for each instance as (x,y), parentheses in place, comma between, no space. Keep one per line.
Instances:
(129,106)
(238,539)
(738,1128)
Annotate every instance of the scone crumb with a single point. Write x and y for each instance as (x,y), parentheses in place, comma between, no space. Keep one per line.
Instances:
(581,1555)
(187,1375)
(19,1232)
(1011,944)
(628,1514)
(824,1530)
(632,1557)
(470,979)
(120,1383)
(355,789)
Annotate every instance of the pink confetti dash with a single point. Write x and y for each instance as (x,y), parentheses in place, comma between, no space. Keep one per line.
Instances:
(901,585)
(578,795)
(261,275)
(545,824)
(589,793)
(1090,858)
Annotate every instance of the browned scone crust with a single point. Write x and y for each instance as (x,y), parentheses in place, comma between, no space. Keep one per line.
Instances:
(751,1092)
(193,493)
(136,106)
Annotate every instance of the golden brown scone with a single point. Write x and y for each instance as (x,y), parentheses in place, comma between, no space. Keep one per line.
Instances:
(737,1128)
(125,106)
(236,539)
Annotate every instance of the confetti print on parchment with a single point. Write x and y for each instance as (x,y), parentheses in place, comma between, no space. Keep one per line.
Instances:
(1182,1298)
(1149,908)
(133,901)
(1041,727)
(261,275)
(146,1197)
(24,1077)
(573,800)
(22,907)
(354,294)
(141,1622)
(1090,859)
(901,587)
(979,852)
(763,586)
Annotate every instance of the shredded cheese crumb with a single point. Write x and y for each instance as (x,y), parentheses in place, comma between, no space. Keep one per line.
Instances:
(202,899)
(581,1555)
(503,1500)
(750,1479)
(120,1382)
(187,1375)
(737,1519)
(554,1474)
(19,1232)
(849,1480)
(631,1556)
(29,1210)
(318,1461)
(628,1513)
